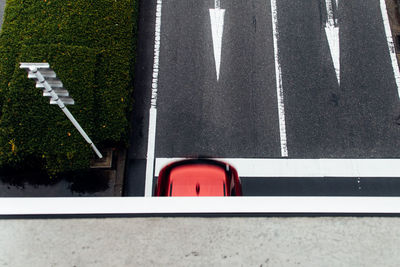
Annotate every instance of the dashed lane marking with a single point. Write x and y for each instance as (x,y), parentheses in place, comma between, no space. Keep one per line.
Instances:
(279,87)
(153,107)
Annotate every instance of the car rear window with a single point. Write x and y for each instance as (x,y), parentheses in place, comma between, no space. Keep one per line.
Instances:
(197,180)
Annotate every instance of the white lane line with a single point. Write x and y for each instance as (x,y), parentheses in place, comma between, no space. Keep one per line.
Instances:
(150,153)
(249,167)
(279,87)
(392,50)
(153,106)
(332,34)
(197,205)
(217,30)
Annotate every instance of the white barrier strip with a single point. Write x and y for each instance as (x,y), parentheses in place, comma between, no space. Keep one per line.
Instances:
(193,205)
(248,167)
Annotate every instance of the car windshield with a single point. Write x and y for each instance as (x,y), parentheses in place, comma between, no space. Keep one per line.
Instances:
(197,180)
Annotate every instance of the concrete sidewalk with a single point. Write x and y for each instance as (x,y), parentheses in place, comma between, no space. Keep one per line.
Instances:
(328,241)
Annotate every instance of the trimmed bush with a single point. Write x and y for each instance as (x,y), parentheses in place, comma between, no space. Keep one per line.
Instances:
(90,45)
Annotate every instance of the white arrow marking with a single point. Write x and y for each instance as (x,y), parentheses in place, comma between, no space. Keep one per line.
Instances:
(332,34)
(217,28)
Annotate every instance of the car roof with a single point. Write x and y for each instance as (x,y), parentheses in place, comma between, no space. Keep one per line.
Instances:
(197,180)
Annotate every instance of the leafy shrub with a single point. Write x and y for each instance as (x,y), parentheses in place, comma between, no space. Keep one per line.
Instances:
(90,45)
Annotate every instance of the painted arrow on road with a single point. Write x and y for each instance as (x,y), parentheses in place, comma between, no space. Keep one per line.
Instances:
(332,34)
(217,28)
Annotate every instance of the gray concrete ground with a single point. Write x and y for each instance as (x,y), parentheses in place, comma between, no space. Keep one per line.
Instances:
(328,241)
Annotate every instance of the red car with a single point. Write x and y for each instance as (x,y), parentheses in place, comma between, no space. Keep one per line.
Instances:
(198,177)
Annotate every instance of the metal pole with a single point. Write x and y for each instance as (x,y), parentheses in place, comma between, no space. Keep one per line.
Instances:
(61,104)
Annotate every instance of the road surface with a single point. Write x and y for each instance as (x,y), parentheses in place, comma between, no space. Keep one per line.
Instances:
(285,87)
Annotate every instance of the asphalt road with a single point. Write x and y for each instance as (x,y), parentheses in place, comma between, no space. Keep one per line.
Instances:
(357,119)
(237,116)
(234,117)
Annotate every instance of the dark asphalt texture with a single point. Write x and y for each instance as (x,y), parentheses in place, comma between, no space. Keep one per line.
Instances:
(237,117)
(321,186)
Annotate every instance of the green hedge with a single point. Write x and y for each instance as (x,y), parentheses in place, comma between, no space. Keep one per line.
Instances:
(90,45)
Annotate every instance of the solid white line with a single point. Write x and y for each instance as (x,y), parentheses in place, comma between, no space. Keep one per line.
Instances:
(279,87)
(195,205)
(392,50)
(153,106)
(249,167)
(150,153)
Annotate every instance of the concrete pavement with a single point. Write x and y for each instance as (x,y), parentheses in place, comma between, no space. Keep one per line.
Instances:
(201,242)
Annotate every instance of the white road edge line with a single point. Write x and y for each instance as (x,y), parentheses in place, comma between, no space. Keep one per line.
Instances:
(153,107)
(197,205)
(392,50)
(279,87)
(249,167)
